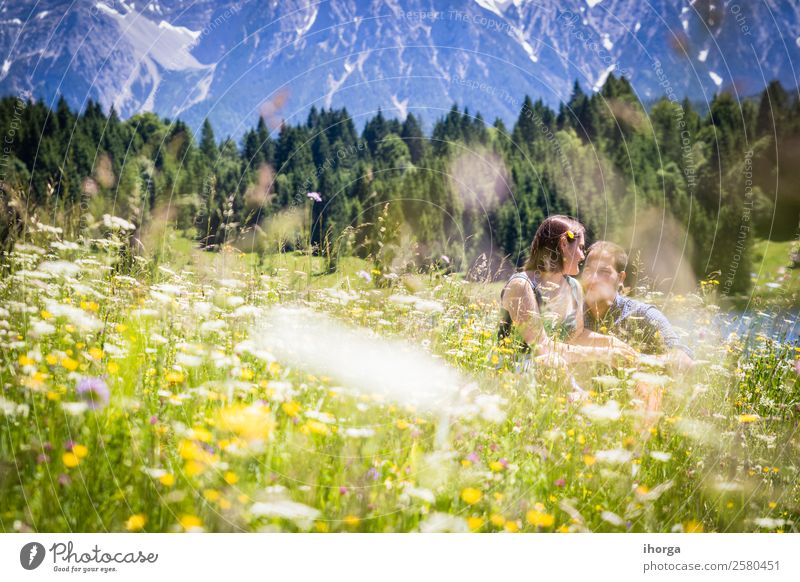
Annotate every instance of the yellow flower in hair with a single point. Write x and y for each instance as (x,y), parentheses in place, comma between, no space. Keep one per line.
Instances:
(570,235)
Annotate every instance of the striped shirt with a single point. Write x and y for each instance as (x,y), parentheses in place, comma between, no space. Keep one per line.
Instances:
(637,323)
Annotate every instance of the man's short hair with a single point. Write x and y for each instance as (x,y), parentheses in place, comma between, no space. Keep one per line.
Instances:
(618,254)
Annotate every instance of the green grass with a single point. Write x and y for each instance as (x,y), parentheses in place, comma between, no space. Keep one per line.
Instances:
(772,266)
(201,432)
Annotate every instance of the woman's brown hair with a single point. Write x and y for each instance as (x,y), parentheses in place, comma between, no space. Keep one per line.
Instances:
(546,252)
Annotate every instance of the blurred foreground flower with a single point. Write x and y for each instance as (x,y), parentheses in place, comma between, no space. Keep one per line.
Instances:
(135,522)
(369,364)
(94,392)
(438,522)
(539,518)
(471,495)
(276,504)
(253,423)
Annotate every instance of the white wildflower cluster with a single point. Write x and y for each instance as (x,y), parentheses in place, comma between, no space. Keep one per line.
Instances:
(117,223)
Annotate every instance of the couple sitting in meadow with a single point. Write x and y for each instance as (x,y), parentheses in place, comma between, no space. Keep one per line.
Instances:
(566,321)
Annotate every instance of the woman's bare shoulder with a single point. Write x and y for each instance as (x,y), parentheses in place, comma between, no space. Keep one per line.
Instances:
(517,288)
(518,284)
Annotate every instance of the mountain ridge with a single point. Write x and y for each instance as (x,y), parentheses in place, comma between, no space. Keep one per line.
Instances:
(231,61)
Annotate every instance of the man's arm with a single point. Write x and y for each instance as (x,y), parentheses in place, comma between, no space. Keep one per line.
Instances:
(521,304)
(659,323)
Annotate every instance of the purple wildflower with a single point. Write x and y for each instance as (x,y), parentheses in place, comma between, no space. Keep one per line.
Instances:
(560,482)
(314,196)
(94,391)
(373,474)
(153,419)
(364,275)
(342,490)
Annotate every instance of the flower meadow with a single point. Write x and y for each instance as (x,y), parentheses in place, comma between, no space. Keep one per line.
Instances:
(219,394)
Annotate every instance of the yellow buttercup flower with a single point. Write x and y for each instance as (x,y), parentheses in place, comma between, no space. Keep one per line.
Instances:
(291,408)
(190,522)
(193,468)
(252,423)
(471,495)
(314,427)
(211,495)
(135,522)
(693,526)
(168,480)
(26,361)
(174,377)
(201,434)
(69,364)
(191,451)
(70,460)
(539,518)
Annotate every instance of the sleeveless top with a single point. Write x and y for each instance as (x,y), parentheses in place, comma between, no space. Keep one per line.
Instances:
(556,326)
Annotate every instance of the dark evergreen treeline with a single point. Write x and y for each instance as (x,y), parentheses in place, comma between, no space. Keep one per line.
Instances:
(468,190)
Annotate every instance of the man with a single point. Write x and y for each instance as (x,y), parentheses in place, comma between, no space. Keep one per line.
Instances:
(609,312)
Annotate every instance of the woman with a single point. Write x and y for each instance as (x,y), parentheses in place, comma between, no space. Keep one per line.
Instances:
(543,303)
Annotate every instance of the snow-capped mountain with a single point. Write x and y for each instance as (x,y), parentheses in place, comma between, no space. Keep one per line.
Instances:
(231,60)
